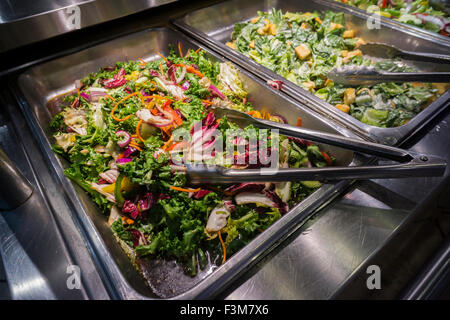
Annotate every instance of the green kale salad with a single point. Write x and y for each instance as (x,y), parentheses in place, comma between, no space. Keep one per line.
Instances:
(419,13)
(117,132)
(304,47)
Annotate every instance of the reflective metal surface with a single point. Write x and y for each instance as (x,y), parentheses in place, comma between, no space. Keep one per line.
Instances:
(26,21)
(213,26)
(43,82)
(434,36)
(14,189)
(373,224)
(39,240)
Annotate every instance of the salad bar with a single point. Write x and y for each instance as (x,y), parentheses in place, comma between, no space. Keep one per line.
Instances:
(113,129)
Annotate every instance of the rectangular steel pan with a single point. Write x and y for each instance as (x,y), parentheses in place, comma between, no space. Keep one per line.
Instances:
(213,26)
(40,83)
(426,34)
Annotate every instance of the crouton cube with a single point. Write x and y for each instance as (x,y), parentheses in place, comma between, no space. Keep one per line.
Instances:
(232,45)
(272,29)
(344,53)
(359,42)
(352,54)
(304,25)
(348,34)
(302,51)
(267,25)
(335,26)
(343,107)
(255,20)
(349,96)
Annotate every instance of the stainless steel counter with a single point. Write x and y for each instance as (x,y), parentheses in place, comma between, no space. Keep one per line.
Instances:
(47,18)
(376,222)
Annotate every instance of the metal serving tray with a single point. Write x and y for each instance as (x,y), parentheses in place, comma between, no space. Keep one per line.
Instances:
(432,36)
(213,26)
(41,83)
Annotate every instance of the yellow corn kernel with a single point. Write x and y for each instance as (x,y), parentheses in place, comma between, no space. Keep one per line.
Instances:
(302,51)
(255,20)
(343,107)
(252,44)
(318,20)
(344,53)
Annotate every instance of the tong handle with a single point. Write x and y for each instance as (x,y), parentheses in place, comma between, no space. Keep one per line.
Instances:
(425,57)
(369,79)
(366,147)
(416,168)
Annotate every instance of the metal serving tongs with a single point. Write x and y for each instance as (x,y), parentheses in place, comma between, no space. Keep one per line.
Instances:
(361,75)
(411,164)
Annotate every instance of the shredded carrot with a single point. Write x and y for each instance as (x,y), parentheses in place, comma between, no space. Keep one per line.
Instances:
(154,111)
(166,130)
(196,51)
(190,69)
(173,146)
(161,97)
(127,220)
(159,53)
(108,96)
(77,99)
(208,102)
(176,118)
(166,145)
(161,68)
(299,122)
(185,190)
(135,146)
(137,131)
(179,49)
(117,104)
(142,62)
(118,119)
(224,248)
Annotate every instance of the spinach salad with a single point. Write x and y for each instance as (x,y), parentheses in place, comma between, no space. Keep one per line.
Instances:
(304,47)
